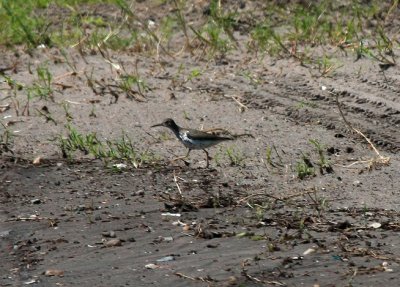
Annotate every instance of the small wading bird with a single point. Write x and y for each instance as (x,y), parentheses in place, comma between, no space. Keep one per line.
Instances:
(193,139)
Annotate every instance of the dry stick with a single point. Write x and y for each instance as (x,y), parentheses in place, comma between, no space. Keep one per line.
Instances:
(242,106)
(382,159)
(182,22)
(131,14)
(48,116)
(28,219)
(276,197)
(177,185)
(67,75)
(25,111)
(185,276)
(191,278)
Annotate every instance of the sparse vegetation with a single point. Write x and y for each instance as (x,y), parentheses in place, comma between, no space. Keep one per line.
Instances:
(230,154)
(266,71)
(304,167)
(6,139)
(42,87)
(108,151)
(324,164)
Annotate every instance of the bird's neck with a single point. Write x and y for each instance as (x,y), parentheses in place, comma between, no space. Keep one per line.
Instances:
(175,129)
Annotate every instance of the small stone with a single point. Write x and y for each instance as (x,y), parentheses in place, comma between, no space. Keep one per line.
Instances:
(120,166)
(171,214)
(37,160)
(168,239)
(151,266)
(36,201)
(110,234)
(113,242)
(5,233)
(54,272)
(356,183)
(80,207)
(30,281)
(375,225)
(166,259)
(309,251)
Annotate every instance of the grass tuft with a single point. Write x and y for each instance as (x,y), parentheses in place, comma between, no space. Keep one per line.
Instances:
(120,150)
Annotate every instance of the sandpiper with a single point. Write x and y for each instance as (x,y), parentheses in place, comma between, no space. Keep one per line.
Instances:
(193,139)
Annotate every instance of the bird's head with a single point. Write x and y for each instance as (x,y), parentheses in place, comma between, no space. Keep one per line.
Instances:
(168,123)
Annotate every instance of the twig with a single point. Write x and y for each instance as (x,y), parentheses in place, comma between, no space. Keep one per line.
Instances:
(48,116)
(73,73)
(381,159)
(177,185)
(276,197)
(242,107)
(184,276)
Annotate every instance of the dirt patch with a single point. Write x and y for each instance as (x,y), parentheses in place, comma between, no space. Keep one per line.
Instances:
(218,230)
(249,219)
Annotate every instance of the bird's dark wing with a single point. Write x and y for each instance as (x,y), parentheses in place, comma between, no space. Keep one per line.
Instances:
(200,135)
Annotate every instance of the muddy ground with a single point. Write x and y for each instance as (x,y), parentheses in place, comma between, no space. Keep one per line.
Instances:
(246,220)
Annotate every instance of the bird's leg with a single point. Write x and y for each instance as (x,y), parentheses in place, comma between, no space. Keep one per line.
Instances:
(183,157)
(207,157)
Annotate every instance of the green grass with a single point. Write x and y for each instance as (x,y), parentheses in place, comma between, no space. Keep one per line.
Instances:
(120,150)
(6,139)
(304,167)
(323,162)
(264,39)
(20,25)
(27,23)
(323,23)
(132,84)
(42,87)
(230,154)
(294,29)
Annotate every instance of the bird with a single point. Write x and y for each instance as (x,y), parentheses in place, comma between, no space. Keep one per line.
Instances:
(193,139)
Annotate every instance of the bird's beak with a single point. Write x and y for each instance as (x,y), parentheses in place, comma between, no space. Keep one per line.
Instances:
(157,125)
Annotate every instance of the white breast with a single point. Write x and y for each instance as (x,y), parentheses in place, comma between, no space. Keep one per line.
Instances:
(195,144)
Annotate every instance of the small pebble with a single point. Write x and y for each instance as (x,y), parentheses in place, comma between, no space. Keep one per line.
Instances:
(151,266)
(166,259)
(112,243)
(168,239)
(110,234)
(36,201)
(54,272)
(80,207)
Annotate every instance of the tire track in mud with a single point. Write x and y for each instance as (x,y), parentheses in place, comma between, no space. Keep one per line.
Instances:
(371,106)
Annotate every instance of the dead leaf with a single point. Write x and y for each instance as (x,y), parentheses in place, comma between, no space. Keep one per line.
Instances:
(113,242)
(151,266)
(37,160)
(374,225)
(54,272)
